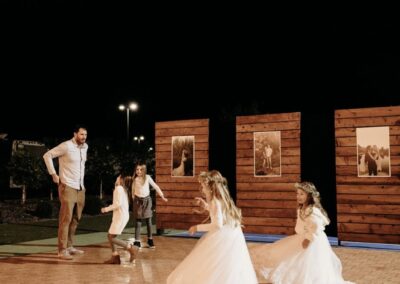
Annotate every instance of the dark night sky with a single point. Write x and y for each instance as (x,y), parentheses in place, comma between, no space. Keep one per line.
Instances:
(86,72)
(322,64)
(52,80)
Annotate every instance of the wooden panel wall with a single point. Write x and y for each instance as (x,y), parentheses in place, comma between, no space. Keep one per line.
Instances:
(268,203)
(177,212)
(368,207)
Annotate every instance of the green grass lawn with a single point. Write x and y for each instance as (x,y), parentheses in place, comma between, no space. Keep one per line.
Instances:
(17,233)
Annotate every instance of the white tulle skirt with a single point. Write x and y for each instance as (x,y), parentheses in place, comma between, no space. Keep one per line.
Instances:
(286,262)
(220,256)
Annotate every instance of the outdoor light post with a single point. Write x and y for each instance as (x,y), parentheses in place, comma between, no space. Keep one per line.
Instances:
(132,107)
(138,138)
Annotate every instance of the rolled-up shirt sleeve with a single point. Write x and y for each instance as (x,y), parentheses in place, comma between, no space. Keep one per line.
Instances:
(54,153)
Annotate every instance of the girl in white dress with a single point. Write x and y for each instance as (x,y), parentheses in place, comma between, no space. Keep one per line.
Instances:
(306,257)
(221,255)
(120,209)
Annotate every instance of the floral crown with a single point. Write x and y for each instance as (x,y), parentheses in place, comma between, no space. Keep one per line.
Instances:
(208,177)
(307,187)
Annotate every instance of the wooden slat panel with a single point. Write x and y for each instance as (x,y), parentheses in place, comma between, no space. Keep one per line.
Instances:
(168,170)
(352,170)
(346,151)
(369,219)
(369,209)
(259,185)
(272,126)
(346,160)
(181,131)
(262,221)
(267,204)
(167,162)
(244,195)
(181,193)
(182,123)
(181,218)
(367,199)
(179,186)
(175,225)
(267,118)
(368,189)
(289,178)
(286,169)
(285,160)
(269,213)
(367,121)
(168,139)
(369,180)
(290,153)
(352,141)
(182,202)
(287,144)
(345,132)
(384,229)
(169,178)
(346,141)
(167,147)
(285,134)
(268,230)
(352,160)
(167,155)
(175,210)
(368,112)
(352,151)
(178,213)
(349,132)
(390,239)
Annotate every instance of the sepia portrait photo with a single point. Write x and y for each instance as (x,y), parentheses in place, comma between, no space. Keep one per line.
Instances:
(182,156)
(373,152)
(267,154)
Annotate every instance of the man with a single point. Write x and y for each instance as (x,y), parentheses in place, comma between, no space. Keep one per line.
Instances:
(71,155)
(268,153)
(370,159)
(267,156)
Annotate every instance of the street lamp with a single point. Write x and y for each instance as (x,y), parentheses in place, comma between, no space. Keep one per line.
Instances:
(132,107)
(138,138)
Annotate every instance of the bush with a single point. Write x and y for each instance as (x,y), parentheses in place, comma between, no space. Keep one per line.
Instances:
(92,205)
(44,209)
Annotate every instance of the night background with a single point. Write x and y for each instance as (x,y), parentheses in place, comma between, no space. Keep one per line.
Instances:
(312,68)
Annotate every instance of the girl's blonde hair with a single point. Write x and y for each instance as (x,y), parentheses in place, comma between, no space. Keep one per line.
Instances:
(313,197)
(144,170)
(219,190)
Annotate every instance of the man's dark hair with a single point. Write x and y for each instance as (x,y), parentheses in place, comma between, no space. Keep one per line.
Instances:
(79,126)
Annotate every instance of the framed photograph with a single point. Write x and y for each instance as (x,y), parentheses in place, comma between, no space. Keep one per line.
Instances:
(373,152)
(267,154)
(182,156)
